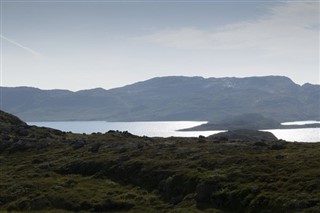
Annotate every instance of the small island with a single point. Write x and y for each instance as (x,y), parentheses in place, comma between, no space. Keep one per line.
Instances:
(252,121)
(244,135)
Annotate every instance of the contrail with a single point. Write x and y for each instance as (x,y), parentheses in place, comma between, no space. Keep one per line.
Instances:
(20,45)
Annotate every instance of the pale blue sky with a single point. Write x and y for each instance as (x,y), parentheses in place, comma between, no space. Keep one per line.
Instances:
(86,44)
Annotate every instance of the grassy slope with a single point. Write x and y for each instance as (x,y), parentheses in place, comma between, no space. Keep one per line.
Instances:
(46,170)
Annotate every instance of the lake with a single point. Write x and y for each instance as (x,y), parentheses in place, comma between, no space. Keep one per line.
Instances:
(169,128)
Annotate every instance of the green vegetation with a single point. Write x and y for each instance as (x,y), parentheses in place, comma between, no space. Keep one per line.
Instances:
(45,170)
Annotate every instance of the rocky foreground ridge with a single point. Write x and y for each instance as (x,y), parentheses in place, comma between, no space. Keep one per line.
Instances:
(48,170)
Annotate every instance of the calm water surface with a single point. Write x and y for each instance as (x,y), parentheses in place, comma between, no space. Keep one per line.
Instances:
(301,122)
(169,128)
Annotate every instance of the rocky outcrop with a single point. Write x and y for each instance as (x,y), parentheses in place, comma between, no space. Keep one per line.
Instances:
(16,135)
(7,120)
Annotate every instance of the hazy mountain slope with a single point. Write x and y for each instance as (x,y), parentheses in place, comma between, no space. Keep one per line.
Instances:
(170,98)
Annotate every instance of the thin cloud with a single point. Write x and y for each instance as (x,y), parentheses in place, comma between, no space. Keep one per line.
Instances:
(290,28)
(21,46)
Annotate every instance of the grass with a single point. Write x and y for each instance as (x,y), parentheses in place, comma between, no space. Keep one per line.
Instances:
(120,172)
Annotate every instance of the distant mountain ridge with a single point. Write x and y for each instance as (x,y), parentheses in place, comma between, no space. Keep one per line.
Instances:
(170,98)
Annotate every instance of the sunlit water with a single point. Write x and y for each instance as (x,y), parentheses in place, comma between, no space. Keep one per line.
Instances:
(169,128)
(301,122)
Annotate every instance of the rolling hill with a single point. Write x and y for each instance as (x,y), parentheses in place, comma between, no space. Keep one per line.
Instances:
(170,98)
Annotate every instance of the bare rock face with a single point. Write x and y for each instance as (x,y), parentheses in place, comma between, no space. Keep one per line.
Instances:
(244,135)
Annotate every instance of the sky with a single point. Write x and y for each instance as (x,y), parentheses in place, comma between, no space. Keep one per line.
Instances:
(75,45)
